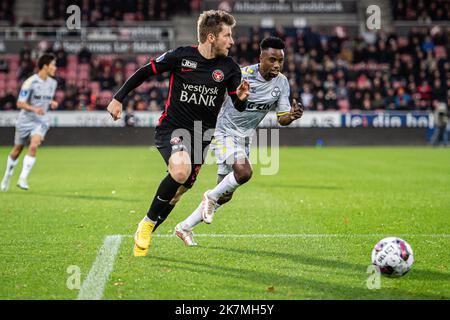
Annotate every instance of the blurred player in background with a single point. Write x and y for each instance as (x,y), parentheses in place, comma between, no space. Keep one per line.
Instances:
(269,89)
(35,98)
(200,76)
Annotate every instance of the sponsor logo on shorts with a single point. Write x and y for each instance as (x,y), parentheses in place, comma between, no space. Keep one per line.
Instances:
(175,141)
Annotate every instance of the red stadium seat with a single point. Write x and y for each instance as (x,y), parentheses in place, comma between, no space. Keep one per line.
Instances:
(84,67)
(12,84)
(72,58)
(142,59)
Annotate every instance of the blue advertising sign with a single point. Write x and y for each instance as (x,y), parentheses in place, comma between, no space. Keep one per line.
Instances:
(413,119)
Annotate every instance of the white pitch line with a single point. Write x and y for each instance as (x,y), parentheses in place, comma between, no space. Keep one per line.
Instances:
(94,284)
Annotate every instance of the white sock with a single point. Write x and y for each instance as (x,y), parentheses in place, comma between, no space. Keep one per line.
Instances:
(196,217)
(146,218)
(28,162)
(10,165)
(227,185)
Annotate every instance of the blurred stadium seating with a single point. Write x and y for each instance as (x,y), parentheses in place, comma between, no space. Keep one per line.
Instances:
(330,68)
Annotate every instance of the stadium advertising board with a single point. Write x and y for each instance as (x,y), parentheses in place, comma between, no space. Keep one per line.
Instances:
(286,7)
(95,46)
(414,119)
(310,119)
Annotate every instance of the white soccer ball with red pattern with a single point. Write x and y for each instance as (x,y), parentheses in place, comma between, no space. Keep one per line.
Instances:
(394,256)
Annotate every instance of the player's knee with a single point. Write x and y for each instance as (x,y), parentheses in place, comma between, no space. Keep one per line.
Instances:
(15,153)
(180,175)
(33,147)
(243,174)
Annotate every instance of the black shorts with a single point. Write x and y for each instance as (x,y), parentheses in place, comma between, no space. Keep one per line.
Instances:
(168,145)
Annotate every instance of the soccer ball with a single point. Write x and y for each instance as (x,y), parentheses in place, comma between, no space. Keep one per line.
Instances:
(394,256)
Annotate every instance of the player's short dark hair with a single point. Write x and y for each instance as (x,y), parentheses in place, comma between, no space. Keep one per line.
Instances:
(211,22)
(45,59)
(272,42)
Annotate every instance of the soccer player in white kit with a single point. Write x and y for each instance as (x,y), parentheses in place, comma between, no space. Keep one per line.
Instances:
(35,98)
(269,89)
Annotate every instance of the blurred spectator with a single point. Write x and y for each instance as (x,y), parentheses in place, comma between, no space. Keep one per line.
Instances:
(84,56)
(130,119)
(25,70)
(440,134)
(307,97)
(4,67)
(106,79)
(422,10)
(8,102)
(402,99)
(61,57)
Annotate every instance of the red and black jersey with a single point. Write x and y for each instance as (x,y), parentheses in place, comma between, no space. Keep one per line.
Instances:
(197,87)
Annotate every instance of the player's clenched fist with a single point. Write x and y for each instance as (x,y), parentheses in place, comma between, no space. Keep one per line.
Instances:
(243,91)
(296,110)
(115,109)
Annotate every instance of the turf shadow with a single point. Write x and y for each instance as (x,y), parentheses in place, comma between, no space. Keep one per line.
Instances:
(294,283)
(77,196)
(301,186)
(419,274)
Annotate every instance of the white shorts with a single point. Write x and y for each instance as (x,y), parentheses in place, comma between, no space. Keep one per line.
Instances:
(25,131)
(230,150)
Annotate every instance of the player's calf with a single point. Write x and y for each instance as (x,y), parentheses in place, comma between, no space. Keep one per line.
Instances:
(224,199)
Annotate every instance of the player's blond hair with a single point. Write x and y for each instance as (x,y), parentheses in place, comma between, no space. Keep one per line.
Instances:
(211,21)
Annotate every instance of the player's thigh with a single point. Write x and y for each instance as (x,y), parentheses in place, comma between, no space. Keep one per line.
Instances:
(36,140)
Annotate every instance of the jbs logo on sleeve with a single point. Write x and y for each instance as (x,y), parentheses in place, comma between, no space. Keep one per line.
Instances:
(189,64)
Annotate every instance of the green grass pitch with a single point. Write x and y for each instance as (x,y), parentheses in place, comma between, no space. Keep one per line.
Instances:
(347,197)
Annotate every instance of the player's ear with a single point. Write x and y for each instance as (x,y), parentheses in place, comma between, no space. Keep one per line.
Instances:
(211,37)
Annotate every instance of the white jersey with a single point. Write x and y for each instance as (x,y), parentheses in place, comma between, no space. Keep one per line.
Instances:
(38,93)
(264,96)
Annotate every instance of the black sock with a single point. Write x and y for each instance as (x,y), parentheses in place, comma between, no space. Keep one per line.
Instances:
(166,191)
(163,215)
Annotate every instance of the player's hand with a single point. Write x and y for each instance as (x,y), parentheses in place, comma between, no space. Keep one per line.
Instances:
(243,91)
(296,110)
(115,109)
(54,104)
(39,111)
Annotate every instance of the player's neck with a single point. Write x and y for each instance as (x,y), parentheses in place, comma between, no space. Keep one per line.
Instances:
(43,75)
(265,76)
(206,51)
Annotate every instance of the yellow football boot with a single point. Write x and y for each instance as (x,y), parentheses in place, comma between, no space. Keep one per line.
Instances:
(143,238)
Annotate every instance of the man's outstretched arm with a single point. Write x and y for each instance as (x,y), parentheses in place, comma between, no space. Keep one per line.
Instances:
(115,106)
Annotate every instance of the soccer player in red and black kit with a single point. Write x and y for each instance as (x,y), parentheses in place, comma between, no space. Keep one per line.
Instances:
(200,76)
